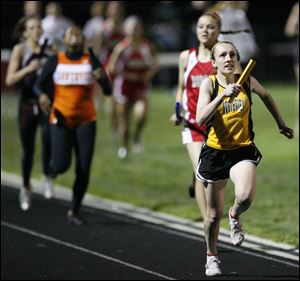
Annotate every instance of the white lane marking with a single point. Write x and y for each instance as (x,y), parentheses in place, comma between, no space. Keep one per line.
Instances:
(223,245)
(164,220)
(99,255)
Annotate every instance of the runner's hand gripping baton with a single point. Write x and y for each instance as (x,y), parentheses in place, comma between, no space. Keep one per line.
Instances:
(178,111)
(95,62)
(105,80)
(245,75)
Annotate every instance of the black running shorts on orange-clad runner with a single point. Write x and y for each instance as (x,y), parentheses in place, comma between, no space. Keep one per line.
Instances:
(214,164)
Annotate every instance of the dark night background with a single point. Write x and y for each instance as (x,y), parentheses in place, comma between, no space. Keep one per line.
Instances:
(267,18)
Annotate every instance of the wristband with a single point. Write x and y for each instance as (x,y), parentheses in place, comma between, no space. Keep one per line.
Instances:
(178,110)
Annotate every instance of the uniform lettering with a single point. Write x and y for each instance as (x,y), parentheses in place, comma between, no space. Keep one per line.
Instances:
(197,80)
(73,74)
(236,106)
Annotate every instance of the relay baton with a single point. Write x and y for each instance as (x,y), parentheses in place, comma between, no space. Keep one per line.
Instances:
(178,111)
(245,74)
(95,62)
(104,79)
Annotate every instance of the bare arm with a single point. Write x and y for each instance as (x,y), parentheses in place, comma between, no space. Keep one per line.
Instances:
(114,57)
(14,74)
(267,99)
(113,62)
(154,65)
(207,108)
(292,25)
(181,66)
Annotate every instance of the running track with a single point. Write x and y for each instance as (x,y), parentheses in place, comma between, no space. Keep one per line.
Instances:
(40,245)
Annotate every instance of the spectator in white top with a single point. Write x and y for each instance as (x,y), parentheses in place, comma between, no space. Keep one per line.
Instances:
(234,18)
(95,24)
(55,24)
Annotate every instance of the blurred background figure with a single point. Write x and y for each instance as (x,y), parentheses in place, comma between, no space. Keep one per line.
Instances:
(191,15)
(94,26)
(110,35)
(165,28)
(166,32)
(54,24)
(133,63)
(24,65)
(234,19)
(32,8)
(92,29)
(292,30)
(112,32)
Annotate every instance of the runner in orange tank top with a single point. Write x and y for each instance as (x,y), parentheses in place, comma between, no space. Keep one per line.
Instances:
(72,113)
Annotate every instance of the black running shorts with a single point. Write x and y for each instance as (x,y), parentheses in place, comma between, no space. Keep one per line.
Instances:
(214,164)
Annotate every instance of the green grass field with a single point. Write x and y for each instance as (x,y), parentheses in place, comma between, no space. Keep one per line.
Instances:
(158,178)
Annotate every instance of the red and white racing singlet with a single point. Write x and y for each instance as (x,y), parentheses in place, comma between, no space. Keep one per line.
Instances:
(136,61)
(195,72)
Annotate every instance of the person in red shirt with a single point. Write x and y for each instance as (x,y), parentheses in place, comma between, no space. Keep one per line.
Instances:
(72,113)
(133,63)
(194,67)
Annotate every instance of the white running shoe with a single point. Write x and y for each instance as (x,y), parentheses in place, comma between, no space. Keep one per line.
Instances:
(212,267)
(236,230)
(48,187)
(25,198)
(122,152)
(137,148)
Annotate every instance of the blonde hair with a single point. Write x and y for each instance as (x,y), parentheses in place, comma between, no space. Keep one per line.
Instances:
(129,22)
(212,51)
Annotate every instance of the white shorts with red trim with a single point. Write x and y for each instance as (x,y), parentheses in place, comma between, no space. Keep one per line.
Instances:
(189,136)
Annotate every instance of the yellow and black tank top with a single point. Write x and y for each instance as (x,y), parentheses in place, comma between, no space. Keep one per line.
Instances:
(231,126)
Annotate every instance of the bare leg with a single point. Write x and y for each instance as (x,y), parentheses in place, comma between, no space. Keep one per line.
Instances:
(200,197)
(140,112)
(243,175)
(194,149)
(114,117)
(215,193)
(123,112)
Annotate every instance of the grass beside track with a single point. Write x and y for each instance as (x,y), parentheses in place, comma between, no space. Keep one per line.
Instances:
(158,178)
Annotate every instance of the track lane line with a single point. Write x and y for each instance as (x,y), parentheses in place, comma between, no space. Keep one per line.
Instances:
(84,250)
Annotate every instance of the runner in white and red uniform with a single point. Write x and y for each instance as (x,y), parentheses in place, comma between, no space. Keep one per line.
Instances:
(133,64)
(194,66)
(195,72)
